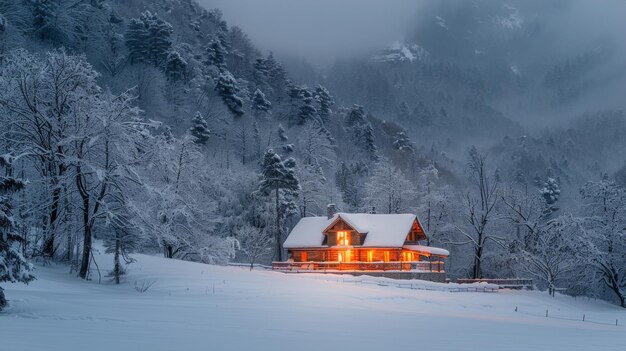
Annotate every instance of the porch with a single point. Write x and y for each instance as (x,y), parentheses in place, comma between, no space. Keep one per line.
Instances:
(367,267)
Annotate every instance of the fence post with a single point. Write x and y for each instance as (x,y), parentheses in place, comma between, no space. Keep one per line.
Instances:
(583,317)
(546,313)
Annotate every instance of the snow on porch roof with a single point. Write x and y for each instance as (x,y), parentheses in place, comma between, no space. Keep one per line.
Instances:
(383,230)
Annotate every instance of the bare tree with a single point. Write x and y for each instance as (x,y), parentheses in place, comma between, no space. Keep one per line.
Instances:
(480,210)
(254,242)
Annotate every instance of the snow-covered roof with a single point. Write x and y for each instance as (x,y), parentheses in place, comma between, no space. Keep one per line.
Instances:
(427,250)
(383,230)
(307,233)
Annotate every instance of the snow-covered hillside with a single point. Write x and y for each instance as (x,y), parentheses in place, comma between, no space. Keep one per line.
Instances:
(194,306)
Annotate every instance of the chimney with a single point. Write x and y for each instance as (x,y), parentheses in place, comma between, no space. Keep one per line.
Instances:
(331,209)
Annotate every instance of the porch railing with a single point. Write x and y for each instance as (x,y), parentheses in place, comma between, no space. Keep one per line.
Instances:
(421,266)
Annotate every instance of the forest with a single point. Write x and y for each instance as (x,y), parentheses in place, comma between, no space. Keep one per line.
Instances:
(157,127)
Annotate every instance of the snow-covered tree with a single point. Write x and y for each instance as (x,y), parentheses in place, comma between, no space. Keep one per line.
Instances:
(226,87)
(325,102)
(307,112)
(388,190)
(403,143)
(282,139)
(13,266)
(55,89)
(148,39)
(312,197)
(542,248)
(175,66)
(480,210)
(360,131)
(216,53)
(282,135)
(122,234)
(434,202)
(200,129)
(261,73)
(602,245)
(550,193)
(279,180)
(254,242)
(260,104)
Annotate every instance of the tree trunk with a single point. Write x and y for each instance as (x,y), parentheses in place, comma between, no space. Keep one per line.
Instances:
(477,270)
(84,266)
(48,247)
(82,191)
(117,268)
(279,246)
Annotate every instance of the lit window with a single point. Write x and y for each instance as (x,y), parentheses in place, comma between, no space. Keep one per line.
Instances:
(370,256)
(343,238)
(386,256)
(340,257)
(303,256)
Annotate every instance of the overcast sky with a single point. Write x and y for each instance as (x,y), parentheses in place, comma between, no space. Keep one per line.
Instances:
(319,29)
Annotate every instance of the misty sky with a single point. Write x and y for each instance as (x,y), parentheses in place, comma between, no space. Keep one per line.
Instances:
(319,29)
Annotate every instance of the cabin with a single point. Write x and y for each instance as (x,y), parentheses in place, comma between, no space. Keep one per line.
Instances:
(390,245)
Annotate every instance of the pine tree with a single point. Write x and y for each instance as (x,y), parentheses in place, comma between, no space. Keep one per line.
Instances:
(200,129)
(279,179)
(227,88)
(260,104)
(307,111)
(13,266)
(261,73)
(175,66)
(216,53)
(550,193)
(159,37)
(325,101)
(277,77)
(361,131)
(148,39)
(403,143)
(44,12)
(135,40)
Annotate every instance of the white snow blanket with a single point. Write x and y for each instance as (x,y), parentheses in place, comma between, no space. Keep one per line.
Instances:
(201,307)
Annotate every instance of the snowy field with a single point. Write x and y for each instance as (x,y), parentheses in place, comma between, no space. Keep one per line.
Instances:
(201,307)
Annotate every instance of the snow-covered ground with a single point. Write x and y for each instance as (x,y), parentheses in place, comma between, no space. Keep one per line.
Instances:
(201,307)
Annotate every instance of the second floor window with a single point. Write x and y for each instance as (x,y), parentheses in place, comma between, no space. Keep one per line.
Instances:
(343,238)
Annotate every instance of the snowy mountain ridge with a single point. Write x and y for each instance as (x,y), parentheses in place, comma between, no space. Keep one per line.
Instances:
(402,52)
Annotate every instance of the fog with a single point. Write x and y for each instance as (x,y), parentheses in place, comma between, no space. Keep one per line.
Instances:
(552,32)
(319,30)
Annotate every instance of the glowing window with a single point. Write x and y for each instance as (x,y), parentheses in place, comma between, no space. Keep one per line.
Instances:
(370,256)
(303,256)
(343,238)
(340,257)
(386,256)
